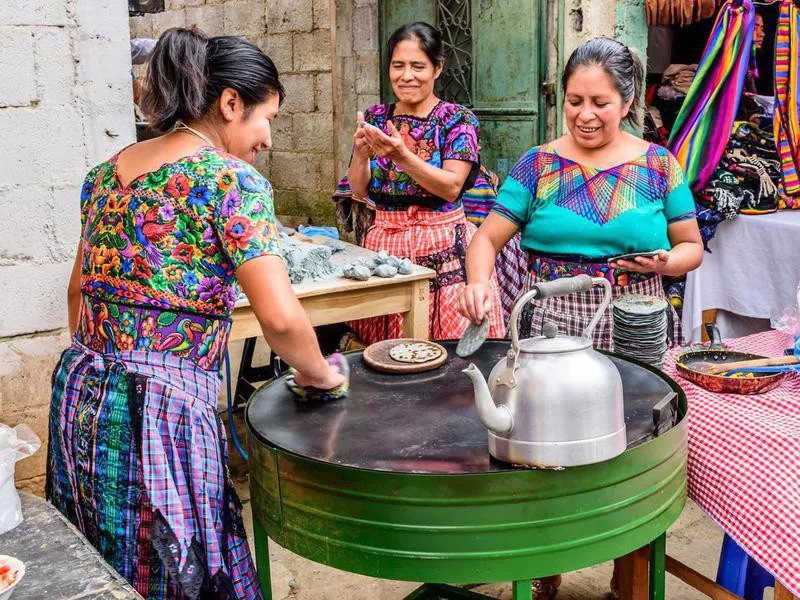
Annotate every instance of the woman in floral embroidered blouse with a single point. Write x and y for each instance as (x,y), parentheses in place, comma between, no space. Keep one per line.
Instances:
(411,163)
(137,457)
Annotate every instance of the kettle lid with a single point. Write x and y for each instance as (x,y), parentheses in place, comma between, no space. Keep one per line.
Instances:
(552,343)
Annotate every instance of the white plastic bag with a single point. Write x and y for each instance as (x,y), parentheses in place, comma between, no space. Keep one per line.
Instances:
(15,444)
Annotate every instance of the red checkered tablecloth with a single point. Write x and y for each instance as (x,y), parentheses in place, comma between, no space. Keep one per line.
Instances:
(744,461)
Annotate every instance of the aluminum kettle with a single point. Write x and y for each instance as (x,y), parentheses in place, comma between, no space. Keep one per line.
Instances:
(553,401)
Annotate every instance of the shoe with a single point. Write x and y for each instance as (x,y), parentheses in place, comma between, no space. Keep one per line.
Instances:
(545,588)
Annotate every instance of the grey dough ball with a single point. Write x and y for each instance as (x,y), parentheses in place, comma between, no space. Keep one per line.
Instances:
(405,267)
(357,272)
(385,271)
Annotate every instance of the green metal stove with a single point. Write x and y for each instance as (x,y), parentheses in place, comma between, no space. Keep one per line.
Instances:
(396,482)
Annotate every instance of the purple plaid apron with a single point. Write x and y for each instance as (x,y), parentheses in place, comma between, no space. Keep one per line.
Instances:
(137,460)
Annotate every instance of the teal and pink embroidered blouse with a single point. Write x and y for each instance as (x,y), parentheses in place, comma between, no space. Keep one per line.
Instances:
(160,254)
(449,132)
(564,208)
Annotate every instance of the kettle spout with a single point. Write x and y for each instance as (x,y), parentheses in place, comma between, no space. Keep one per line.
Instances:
(496,418)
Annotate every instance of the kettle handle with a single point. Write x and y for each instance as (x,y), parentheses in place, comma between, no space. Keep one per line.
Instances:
(561,287)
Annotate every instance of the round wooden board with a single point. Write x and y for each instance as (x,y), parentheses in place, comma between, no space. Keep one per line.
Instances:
(377,357)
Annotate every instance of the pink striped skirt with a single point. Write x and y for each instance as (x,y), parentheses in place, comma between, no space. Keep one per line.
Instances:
(439,241)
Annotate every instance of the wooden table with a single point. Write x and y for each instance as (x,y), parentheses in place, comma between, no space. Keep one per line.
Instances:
(59,561)
(337,300)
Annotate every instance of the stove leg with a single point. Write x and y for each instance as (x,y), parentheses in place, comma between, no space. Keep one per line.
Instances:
(262,559)
(658,567)
(522,590)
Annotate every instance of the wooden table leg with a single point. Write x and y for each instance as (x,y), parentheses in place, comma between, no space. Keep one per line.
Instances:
(658,559)
(262,559)
(633,575)
(709,316)
(699,582)
(415,321)
(781,593)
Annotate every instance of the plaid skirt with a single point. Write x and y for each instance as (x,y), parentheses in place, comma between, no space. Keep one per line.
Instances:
(439,241)
(137,460)
(511,267)
(572,313)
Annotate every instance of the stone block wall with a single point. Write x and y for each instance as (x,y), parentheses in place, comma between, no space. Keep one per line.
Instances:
(357,82)
(65,104)
(297,35)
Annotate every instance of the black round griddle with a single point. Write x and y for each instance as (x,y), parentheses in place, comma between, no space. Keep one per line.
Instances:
(426,422)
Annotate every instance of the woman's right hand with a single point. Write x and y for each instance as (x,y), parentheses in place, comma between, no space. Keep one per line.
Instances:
(331,379)
(360,146)
(475,301)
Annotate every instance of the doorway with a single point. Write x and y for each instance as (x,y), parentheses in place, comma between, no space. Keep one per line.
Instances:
(493,65)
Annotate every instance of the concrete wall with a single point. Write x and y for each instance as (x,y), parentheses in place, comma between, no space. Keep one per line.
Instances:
(584,19)
(297,35)
(357,71)
(65,104)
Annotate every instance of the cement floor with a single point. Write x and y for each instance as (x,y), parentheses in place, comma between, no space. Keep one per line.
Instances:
(694,540)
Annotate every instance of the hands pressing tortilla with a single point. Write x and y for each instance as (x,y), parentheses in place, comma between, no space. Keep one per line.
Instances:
(369,139)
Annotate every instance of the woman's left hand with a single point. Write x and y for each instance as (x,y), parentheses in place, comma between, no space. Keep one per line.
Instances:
(642,264)
(385,146)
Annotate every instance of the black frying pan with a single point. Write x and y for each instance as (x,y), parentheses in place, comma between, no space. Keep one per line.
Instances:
(694,365)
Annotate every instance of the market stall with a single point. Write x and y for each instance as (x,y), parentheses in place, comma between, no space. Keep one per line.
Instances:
(730,117)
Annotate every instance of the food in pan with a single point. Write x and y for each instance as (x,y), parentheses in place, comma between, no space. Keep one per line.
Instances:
(8,576)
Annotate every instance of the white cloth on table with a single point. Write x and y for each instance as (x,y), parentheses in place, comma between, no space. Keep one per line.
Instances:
(753,270)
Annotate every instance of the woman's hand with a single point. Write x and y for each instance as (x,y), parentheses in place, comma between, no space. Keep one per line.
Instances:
(392,147)
(360,144)
(332,379)
(475,301)
(642,264)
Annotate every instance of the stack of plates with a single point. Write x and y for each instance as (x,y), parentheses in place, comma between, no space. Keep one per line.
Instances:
(640,327)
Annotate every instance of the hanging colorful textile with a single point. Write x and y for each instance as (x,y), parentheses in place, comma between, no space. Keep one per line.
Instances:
(704,123)
(787,95)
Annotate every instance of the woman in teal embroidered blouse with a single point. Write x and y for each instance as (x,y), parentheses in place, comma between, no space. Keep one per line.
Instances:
(593,194)
(585,198)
